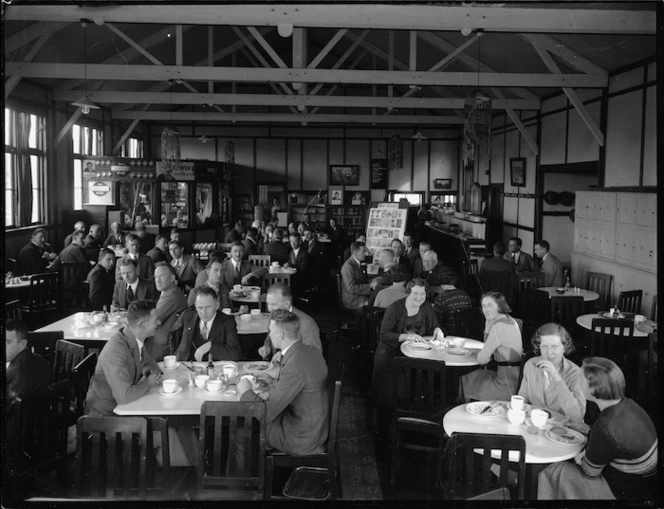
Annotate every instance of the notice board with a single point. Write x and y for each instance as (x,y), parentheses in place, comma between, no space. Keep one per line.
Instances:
(379,174)
(387,221)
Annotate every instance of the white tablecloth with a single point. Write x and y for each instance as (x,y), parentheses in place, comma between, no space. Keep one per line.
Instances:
(588,295)
(78,326)
(439,354)
(585,321)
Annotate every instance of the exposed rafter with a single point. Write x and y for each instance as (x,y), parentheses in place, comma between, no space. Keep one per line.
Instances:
(32,33)
(517,121)
(11,83)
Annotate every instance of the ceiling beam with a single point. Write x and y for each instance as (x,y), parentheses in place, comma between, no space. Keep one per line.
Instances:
(300,55)
(334,87)
(266,46)
(32,33)
(337,101)
(500,18)
(517,121)
(11,83)
(344,57)
(185,116)
(128,131)
(566,54)
(328,47)
(55,70)
(65,129)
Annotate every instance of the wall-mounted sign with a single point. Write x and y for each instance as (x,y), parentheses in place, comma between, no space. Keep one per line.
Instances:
(379,174)
(100,192)
(175,171)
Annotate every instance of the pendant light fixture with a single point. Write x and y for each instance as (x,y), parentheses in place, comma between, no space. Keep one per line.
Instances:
(84,102)
(202,138)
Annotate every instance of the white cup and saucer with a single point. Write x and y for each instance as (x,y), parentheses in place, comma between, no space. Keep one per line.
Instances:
(170,387)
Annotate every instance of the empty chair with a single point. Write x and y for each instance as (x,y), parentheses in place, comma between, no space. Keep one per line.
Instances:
(614,339)
(81,375)
(43,294)
(270,279)
(469,323)
(260,260)
(420,388)
(630,302)
(245,421)
(600,283)
(66,356)
(470,459)
(43,343)
(13,310)
(111,457)
(565,310)
(74,294)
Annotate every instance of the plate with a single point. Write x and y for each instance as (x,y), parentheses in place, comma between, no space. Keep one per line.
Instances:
(223,363)
(177,365)
(457,352)
(418,346)
(176,391)
(230,392)
(251,288)
(258,366)
(608,315)
(564,436)
(477,407)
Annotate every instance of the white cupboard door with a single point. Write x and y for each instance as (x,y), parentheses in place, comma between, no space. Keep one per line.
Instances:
(646,210)
(594,206)
(594,240)
(608,243)
(608,208)
(626,208)
(625,245)
(581,237)
(581,205)
(644,250)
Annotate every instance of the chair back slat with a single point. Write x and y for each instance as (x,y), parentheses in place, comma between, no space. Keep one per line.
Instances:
(611,338)
(270,279)
(630,301)
(600,283)
(43,343)
(565,309)
(158,425)
(421,387)
(13,310)
(81,375)
(66,356)
(260,260)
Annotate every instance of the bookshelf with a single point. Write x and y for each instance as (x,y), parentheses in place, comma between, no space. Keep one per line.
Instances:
(351,217)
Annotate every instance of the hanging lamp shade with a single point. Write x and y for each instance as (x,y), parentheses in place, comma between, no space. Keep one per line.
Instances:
(477,125)
(85,104)
(395,153)
(170,149)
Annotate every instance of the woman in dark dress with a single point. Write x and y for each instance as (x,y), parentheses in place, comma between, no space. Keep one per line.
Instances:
(405,320)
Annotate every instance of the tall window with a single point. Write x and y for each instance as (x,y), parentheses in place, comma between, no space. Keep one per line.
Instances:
(132,147)
(88,141)
(25,168)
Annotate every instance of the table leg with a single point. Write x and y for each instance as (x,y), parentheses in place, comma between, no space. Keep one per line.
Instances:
(532,471)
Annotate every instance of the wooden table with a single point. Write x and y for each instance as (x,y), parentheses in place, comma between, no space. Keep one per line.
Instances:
(588,295)
(189,401)
(79,329)
(441,354)
(585,321)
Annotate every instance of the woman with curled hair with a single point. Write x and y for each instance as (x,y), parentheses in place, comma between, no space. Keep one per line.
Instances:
(405,320)
(620,460)
(502,341)
(550,380)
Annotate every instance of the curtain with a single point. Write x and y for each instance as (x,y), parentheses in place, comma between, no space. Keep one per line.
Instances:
(24,171)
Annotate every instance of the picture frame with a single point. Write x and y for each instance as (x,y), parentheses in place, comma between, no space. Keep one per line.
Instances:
(437,199)
(357,198)
(344,175)
(518,171)
(336,195)
(442,183)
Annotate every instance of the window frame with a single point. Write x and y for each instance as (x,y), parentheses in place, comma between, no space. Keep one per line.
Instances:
(83,154)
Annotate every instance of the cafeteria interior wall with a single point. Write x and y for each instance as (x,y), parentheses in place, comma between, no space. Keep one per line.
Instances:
(558,231)
(623,139)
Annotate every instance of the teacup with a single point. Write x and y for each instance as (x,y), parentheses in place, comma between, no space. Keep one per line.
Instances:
(226,311)
(245,317)
(275,264)
(639,318)
(539,417)
(170,385)
(516,416)
(97,318)
(229,370)
(237,288)
(255,312)
(201,380)
(255,294)
(250,378)
(459,342)
(517,402)
(213,385)
(169,361)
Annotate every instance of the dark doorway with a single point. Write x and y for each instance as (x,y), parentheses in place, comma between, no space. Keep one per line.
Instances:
(493,214)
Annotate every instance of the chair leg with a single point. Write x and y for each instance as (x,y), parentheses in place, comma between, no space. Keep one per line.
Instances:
(269,474)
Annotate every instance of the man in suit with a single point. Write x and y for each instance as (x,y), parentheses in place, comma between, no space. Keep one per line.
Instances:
(267,237)
(240,272)
(145,239)
(279,296)
(235,235)
(360,238)
(410,251)
(101,280)
(276,248)
(355,290)
(79,226)
(435,273)
(160,252)
(171,302)
(116,237)
(143,262)
(26,373)
(522,261)
(214,270)
(92,242)
(498,269)
(125,371)
(552,268)
(399,250)
(418,268)
(186,266)
(250,242)
(73,253)
(297,413)
(299,259)
(205,330)
(131,287)
(34,257)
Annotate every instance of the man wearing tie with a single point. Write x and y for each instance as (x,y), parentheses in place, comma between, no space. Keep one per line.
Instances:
(144,263)
(299,259)
(552,269)
(131,287)
(186,266)
(171,302)
(239,272)
(206,330)
(523,262)
(214,271)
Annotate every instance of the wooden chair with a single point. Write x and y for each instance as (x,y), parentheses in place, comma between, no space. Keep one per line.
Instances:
(111,457)
(316,477)
(259,260)
(469,323)
(421,389)
(245,422)
(630,302)
(158,486)
(270,279)
(81,375)
(372,318)
(535,311)
(611,338)
(38,442)
(347,316)
(74,294)
(417,450)
(13,310)
(43,294)
(565,310)
(43,343)
(66,356)
(470,470)
(600,283)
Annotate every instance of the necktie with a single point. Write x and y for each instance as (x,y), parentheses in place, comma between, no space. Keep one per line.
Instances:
(130,296)
(204,331)
(142,356)
(513,258)
(178,267)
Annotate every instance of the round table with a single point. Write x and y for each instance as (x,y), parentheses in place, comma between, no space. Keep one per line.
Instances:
(440,354)
(21,283)
(539,449)
(588,295)
(257,324)
(585,321)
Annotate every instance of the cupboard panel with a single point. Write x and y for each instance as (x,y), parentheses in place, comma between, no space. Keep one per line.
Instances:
(625,245)
(626,208)
(608,208)
(582,204)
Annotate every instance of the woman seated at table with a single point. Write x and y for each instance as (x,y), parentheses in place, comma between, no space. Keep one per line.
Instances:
(502,341)
(550,380)
(405,320)
(620,460)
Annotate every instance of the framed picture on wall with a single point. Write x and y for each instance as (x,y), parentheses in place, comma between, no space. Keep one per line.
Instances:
(518,171)
(336,195)
(357,197)
(344,175)
(442,183)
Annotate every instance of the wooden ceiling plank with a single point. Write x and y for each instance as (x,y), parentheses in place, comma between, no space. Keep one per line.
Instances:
(572,96)
(134,44)
(334,87)
(390,60)
(517,121)
(129,130)
(515,18)
(412,46)
(65,129)
(273,86)
(451,57)
(327,48)
(178,45)
(210,61)
(25,36)
(565,53)
(11,83)
(300,54)
(266,46)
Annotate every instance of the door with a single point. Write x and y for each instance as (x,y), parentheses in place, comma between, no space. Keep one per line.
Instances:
(644,249)
(494,213)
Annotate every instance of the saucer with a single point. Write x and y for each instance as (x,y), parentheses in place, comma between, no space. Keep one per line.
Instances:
(175,366)
(176,391)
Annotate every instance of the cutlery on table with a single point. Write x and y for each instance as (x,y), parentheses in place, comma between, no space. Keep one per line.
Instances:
(188,367)
(491,406)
